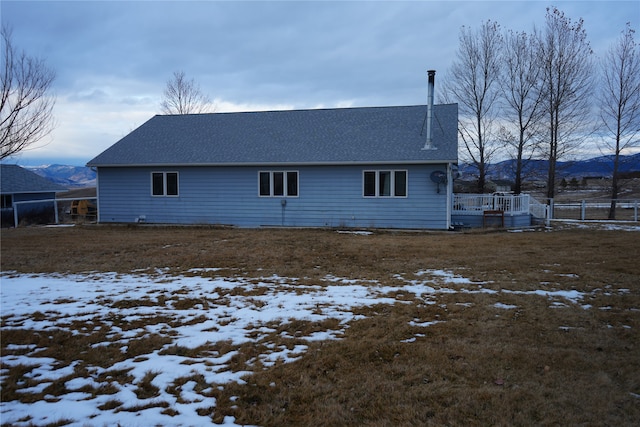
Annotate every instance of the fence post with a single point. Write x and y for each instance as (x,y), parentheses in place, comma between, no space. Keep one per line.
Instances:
(547,215)
(15,216)
(583,210)
(551,208)
(635,211)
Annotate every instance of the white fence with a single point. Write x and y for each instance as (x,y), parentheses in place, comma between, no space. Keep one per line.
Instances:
(585,210)
(522,204)
(57,203)
(477,204)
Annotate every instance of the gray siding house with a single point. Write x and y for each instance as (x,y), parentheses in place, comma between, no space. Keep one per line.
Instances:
(374,167)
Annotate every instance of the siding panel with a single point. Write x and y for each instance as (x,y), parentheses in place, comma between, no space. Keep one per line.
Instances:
(328,197)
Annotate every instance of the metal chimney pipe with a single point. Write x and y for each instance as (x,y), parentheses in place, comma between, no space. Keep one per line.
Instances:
(432,78)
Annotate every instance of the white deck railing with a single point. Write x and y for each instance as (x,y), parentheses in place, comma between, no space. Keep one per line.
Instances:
(538,210)
(510,204)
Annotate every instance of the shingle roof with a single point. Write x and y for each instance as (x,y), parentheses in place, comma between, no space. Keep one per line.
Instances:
(325,136)
(15,179)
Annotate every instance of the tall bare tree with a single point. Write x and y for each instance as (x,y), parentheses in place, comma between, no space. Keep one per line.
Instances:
(523,94)
(620,102)
(568,74)
(473,84)
(26,106)
(182,96)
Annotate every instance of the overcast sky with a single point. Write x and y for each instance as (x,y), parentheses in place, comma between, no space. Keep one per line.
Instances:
(113,58)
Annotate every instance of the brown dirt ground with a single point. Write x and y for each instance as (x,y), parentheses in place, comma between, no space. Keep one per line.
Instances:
(480,366)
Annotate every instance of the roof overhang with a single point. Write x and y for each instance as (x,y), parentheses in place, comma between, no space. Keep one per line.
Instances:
(279,164)
(34,192)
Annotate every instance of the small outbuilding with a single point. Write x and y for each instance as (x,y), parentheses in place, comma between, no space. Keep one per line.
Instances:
(25,193)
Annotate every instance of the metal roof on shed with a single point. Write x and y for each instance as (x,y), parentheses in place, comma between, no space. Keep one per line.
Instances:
(16,179)
(293,137)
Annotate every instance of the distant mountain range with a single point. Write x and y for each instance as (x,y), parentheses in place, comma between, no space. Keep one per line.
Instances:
(81,176)
(67,176)
(597,167)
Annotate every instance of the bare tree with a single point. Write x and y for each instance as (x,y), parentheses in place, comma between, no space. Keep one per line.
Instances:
(620,102)
(182,96)
(26,108)
(567,66)
(473,84)
(523,94)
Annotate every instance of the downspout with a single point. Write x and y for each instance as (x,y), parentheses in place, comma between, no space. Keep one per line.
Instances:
(98,210)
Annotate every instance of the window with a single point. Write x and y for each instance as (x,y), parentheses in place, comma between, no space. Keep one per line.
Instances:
(292,183)
(265,184)
(369,184)
(385,183)
(7,201)
(400,183)
(278,184)
(164,183)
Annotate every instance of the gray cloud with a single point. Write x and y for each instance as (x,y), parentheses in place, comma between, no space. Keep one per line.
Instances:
(112,54)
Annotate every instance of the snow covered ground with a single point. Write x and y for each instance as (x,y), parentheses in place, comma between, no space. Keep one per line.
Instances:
(245,310)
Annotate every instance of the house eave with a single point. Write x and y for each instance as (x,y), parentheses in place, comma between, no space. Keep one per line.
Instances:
(12,192)
(278,164)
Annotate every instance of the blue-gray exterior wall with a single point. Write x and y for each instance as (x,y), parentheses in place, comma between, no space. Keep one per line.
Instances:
(329,196)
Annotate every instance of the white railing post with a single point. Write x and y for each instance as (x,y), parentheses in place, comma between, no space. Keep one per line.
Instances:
(547,214)
(583,210)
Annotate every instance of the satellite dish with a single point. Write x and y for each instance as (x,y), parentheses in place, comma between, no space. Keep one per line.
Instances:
(439,177)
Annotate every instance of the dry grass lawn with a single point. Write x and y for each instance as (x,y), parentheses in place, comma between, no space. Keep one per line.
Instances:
(536,364)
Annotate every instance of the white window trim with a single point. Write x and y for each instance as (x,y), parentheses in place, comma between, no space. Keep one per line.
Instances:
(284,183)
(164,184)
(392,184)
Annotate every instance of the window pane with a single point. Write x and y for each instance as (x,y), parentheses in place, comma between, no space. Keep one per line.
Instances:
(172,183)
(278,183)
(265,186)
(292,183)
(157,182)
(370,184)
(384,185)
(400,183)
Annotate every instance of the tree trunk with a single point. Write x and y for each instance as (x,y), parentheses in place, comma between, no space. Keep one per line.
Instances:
(553,158)
(518,185)
(614,181)
(551,179)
